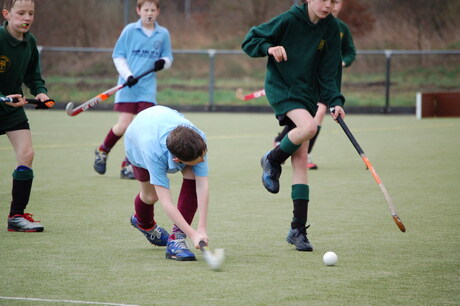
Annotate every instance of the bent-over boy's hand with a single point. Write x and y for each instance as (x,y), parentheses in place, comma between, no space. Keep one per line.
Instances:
(197,237)
(278,53)
(337,111)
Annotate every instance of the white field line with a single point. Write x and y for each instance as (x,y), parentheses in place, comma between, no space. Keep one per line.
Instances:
(61,301)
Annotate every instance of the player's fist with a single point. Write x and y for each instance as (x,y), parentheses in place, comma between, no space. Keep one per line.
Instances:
(131,81)
(159,64)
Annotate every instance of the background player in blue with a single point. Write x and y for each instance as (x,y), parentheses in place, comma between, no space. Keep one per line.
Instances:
(140,46)
(161,141)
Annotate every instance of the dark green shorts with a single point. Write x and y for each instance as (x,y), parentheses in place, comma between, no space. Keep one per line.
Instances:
(20,126)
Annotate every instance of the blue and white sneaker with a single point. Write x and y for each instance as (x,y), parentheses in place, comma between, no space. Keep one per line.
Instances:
(271,174)
(177,248)
(156,235)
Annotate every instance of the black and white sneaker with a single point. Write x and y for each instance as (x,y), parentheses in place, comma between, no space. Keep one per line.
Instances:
(23,223)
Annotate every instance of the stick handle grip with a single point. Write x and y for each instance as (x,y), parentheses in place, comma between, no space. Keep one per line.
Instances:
(348,133)
(202,245)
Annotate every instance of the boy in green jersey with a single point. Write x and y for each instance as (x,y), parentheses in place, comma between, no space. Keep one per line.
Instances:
(303,49)
(348,49)
(19,64)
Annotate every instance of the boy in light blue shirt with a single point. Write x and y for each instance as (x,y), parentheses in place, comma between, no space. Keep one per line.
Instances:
(141,46)
(161,141)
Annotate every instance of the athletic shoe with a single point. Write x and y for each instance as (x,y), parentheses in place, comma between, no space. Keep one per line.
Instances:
(155,235)
(177,248)
(311,165)
(127,172)
(23,223)
(298,237)
(271,174)
(100,162)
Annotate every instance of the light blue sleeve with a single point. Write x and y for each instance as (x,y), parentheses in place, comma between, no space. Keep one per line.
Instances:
(121,45)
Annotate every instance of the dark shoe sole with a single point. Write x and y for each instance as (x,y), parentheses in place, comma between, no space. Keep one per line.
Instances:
(38,230)
(169,256)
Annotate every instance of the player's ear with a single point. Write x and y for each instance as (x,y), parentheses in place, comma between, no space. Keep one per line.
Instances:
(176,160)
(5,14)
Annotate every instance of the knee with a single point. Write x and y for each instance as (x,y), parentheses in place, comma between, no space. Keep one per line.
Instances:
(149,198)
(26,157)
(308,130)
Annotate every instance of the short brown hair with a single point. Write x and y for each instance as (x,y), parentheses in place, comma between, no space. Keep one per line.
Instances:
(185,143)
(141,3)
(8,4)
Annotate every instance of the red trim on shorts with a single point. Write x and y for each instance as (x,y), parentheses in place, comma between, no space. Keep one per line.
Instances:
(132,107)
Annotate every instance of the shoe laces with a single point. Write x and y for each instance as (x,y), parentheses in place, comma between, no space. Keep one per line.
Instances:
(28,217)
(101,157)
(155,232)
(303,231)
(180,243)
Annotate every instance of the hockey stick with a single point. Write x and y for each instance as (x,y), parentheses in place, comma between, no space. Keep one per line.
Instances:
(215,260)
(256,94)
(38,104)
(369,166)
(71,111)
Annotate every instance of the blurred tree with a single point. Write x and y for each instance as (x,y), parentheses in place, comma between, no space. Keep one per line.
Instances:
(358,17)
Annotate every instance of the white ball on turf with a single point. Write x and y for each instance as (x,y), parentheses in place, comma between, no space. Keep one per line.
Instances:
(330,258)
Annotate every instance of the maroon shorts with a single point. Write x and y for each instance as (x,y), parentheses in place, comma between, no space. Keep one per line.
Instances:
(141,174)
(132,108)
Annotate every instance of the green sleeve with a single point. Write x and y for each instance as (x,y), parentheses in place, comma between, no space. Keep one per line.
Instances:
(33,78)
(330,70)
(260,38)
(348,46)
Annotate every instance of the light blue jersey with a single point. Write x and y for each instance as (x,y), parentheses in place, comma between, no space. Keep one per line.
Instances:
(141,52)
(145,144)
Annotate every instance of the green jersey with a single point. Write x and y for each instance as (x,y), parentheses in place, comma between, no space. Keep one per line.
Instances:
(19,64)
(312,67)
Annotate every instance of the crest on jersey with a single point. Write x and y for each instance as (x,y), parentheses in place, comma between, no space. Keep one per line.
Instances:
(5,63)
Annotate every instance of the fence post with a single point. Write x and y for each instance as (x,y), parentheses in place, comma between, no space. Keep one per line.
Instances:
(126,12)
(388,54)
(212,80)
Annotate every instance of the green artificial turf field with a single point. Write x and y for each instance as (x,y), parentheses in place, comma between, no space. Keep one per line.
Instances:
(90,253)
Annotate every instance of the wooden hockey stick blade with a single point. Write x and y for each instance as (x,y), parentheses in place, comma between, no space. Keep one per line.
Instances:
(369,166)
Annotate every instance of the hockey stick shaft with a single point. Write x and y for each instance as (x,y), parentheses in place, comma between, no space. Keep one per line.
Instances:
(377,179)
(100,97)
(254,95)
(48,103)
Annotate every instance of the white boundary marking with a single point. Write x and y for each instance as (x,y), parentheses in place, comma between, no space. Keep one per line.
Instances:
(418,105)
(62,301)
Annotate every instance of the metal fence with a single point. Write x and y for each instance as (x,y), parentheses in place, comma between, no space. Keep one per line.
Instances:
(383,56)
